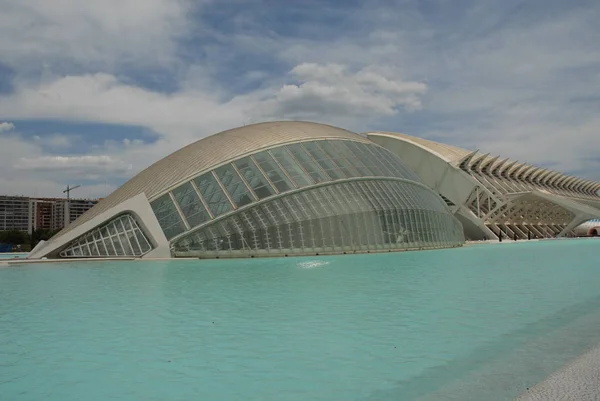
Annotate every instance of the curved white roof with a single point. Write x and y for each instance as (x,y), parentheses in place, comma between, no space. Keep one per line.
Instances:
(484,163)
(209,152)
(447,152)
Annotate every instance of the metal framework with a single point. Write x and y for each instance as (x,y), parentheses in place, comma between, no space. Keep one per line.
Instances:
(120,237)
(300,210)
(499,195)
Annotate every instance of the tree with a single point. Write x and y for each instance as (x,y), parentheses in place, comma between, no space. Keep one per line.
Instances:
(13,237)
(39,235)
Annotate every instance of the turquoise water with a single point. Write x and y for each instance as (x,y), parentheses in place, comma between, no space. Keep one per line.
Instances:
(477,323)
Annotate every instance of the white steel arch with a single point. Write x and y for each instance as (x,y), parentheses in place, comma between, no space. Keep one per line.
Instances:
(505,196)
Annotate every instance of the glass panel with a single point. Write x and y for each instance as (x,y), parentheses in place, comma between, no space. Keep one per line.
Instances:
(394,163)
(101,248)
(109,247)
(213,194)
(308,163)
(361,150)
(167,216)
(117,245)
(134,243)
(329,165)
(126,246)
(86,250)
(378,160)
(291,166)
(190,205)
(345,165)
(273,171)
(91,244)
(254,177)
(362,215)
(126,220)
(344,148)
(234,185)
(143,241)
(365,157)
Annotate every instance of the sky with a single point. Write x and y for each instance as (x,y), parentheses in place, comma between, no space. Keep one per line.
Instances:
(92,92)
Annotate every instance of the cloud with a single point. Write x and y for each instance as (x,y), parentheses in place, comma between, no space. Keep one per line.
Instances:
(96,34)
(103,98)
(26,171)
(88,163)
(4,126)
(511,78)
(331,90)
(56,141)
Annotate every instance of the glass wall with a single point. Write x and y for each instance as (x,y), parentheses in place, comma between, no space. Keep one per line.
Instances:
(169,218)
(355,216)
(119,237)
(268,173)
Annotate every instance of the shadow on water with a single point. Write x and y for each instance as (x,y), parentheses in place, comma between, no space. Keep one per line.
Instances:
(435,378)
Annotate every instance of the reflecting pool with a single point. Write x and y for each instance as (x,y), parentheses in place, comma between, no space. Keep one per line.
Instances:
(482,322)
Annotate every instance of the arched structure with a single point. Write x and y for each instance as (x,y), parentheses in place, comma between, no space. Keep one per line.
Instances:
(588,229)
(492,195)
(279,188)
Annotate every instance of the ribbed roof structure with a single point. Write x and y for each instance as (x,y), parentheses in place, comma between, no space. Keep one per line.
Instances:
(496,167)
(447,152)
(209,152)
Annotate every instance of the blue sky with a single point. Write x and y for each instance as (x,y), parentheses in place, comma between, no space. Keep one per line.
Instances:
(93,92)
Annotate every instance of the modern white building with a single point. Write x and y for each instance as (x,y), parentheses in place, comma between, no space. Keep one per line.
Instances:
(269,189)
(494,196)
(300,188)
(27,214)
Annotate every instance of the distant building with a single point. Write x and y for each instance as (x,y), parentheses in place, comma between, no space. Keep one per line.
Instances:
(28,214)
(42,214)
(15,213)
(588,229)
(63,212)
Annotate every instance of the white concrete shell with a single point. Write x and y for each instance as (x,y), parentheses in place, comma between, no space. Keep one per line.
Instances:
(497,198)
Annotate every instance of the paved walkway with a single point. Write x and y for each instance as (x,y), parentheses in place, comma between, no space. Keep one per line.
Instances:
(579,380)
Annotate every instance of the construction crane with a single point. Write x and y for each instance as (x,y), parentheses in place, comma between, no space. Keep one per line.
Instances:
(68,211)
(68,191)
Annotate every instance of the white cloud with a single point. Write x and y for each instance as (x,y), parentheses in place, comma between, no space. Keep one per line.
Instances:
(88,163)
(94,33)
(103,98)
(43,181)
(331,90)
(474,80)
(56,141)
(4,126)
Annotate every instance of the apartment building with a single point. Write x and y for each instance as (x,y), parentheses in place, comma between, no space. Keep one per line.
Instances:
(27,214)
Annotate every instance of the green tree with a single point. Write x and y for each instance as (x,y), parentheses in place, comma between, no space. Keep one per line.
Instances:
(39,235)
(13,237)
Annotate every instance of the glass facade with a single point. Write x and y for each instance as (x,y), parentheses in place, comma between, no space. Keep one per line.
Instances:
(355,196)
(119,237)
(351,216)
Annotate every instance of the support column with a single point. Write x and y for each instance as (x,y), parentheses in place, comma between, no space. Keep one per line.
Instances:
(577,220)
